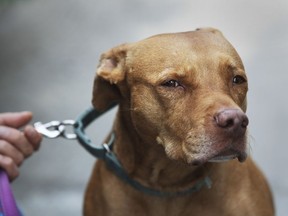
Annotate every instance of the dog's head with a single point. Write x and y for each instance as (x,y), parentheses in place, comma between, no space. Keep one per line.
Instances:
(184,91)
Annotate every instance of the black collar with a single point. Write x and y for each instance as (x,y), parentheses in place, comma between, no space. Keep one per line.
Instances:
(105,153)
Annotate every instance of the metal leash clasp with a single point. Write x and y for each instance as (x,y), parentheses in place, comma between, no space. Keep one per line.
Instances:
(55,129)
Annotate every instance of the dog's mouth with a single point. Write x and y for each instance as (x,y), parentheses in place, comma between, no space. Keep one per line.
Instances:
(228,155)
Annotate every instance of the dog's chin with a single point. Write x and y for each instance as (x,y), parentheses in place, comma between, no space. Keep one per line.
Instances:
(228,155)
(221,157)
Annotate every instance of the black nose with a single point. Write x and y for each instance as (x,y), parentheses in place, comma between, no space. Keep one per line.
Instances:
(233,120)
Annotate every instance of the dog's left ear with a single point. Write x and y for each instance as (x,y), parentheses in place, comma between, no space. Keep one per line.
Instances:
(110,73)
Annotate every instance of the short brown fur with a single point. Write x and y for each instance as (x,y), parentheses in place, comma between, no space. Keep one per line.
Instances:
(166,133)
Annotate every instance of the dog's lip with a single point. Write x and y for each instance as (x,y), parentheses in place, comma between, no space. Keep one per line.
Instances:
(221,158)
(227,156)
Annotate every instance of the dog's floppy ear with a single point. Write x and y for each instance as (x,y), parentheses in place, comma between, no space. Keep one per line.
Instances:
(110,72)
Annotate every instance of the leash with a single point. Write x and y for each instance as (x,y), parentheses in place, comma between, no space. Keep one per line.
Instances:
(8,205)
(105,152)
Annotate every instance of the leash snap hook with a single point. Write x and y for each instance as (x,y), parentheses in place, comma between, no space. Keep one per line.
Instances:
(51,129)
(69,136)
(55,129)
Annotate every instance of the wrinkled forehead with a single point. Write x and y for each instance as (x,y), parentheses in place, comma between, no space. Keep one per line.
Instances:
(196,48)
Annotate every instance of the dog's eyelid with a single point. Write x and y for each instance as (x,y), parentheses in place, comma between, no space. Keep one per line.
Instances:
(238,79)
(171,83)
(175,80)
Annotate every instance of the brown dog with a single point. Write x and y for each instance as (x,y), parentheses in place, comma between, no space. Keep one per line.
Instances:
(182,103)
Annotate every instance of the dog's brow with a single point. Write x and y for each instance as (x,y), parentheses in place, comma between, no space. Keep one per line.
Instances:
(230,64)
(168,72)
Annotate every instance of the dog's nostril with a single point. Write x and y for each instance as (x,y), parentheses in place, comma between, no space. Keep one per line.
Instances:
(229,123)
(245,122)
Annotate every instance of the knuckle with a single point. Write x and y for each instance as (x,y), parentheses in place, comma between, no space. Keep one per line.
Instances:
(8,162)
(19,159)
(33,136)
(3,131)
(19,138)
(3,145)
(28,151)
(9,151)
(24,146)
(9,166)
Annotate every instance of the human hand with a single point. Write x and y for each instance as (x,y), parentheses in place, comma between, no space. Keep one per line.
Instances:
(16,145)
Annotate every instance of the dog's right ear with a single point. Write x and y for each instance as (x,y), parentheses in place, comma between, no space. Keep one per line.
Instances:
(109,75)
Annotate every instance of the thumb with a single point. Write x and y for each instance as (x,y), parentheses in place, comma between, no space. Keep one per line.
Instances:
(15,120)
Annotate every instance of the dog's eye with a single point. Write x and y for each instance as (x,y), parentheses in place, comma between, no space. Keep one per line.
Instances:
(171,83)
(239,79)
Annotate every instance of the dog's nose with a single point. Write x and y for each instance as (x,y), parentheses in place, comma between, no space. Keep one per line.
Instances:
(233,120)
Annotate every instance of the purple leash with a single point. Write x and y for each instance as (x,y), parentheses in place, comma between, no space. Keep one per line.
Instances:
(8,206)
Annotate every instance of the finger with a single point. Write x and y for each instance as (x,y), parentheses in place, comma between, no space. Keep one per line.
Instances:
(9,166)
(33,136)
(17,139)
(15,120)
(10,151)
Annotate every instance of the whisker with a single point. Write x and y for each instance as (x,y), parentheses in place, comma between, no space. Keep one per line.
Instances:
(250,141)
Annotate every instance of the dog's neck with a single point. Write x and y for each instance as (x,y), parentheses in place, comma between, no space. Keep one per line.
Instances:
(146,161)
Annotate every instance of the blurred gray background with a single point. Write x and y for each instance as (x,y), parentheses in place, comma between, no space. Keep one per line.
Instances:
(49,50)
